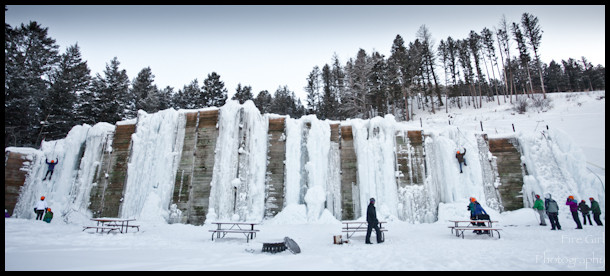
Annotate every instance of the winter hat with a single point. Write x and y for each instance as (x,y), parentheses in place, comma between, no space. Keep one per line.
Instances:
(591,199)
(582,200)
(537,196)
(372,200)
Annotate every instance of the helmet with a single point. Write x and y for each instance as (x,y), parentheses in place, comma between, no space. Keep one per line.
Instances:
(591,199)
(48,209)
(571,197)
(458,152)
(537,196)
(472,199)
(42,198)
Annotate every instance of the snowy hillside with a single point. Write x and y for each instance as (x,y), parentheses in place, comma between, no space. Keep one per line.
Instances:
(563,147)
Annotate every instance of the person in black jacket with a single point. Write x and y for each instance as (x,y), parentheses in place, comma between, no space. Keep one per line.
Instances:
(461,159)
(584,210)
(371,219)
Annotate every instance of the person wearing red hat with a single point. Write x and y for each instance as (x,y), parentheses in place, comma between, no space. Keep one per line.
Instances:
(40,208)
(596,211)
(584,210)
(539,207)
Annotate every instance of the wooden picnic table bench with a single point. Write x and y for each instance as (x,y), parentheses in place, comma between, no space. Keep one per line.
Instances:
(234,227)
(360,226)
(459,230)
(111,224)
(101,228)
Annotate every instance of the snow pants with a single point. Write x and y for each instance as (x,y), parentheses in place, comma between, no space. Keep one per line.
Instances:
(541,213)
(584,219)
(39,214)
(576,219)
(45,176)
(597,220)
(554,221)
(369,229)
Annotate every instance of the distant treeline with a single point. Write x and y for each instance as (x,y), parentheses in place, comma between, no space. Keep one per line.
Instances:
(47,93)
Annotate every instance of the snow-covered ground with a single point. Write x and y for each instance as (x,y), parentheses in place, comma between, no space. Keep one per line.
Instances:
(574,141)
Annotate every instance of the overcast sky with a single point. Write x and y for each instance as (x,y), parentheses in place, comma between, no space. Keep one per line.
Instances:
(270,46)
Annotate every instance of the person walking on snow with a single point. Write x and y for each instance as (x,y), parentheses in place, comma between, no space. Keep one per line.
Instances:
(371,219)
(596,211)
(574,209)
(584,209)
(51,168)
(41,206)
(460,158)
(539,207)
(552,210)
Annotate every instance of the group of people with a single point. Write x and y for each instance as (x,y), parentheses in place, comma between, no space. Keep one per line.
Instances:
(551,209)
(42,210)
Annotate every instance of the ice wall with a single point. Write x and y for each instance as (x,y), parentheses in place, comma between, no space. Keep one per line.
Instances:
(312,169)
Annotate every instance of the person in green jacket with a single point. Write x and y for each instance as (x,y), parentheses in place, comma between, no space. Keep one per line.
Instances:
(539,207)
(48,216)
(596,211)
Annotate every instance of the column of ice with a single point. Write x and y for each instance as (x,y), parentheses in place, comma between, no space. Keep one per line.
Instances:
(151,168)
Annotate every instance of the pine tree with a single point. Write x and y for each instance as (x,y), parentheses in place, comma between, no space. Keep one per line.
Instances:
(524,56)
(70,80)
(313,91)
(111,94)
(214,91)
(399,77)
(144,92)
(242,94)
(263,101)
(29,56)
(329,104)
(534,35)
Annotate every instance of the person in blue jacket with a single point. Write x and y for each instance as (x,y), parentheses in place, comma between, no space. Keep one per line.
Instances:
(477,212)
(51,168)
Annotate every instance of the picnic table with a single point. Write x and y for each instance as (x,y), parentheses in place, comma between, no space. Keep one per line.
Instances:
(459,230)
(112,224)
(225,228)
(360,226)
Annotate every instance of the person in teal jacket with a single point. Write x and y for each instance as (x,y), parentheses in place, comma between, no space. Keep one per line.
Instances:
(539,207)
(596,211)
(48,216)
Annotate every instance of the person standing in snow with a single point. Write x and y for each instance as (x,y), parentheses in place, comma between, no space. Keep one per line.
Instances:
(48,216)
(584,209)
(51,168)
(552,210)
(477,212)
(539,207)
(460,158)
(596,211)
(372,222)
(574,209)
(41,206)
